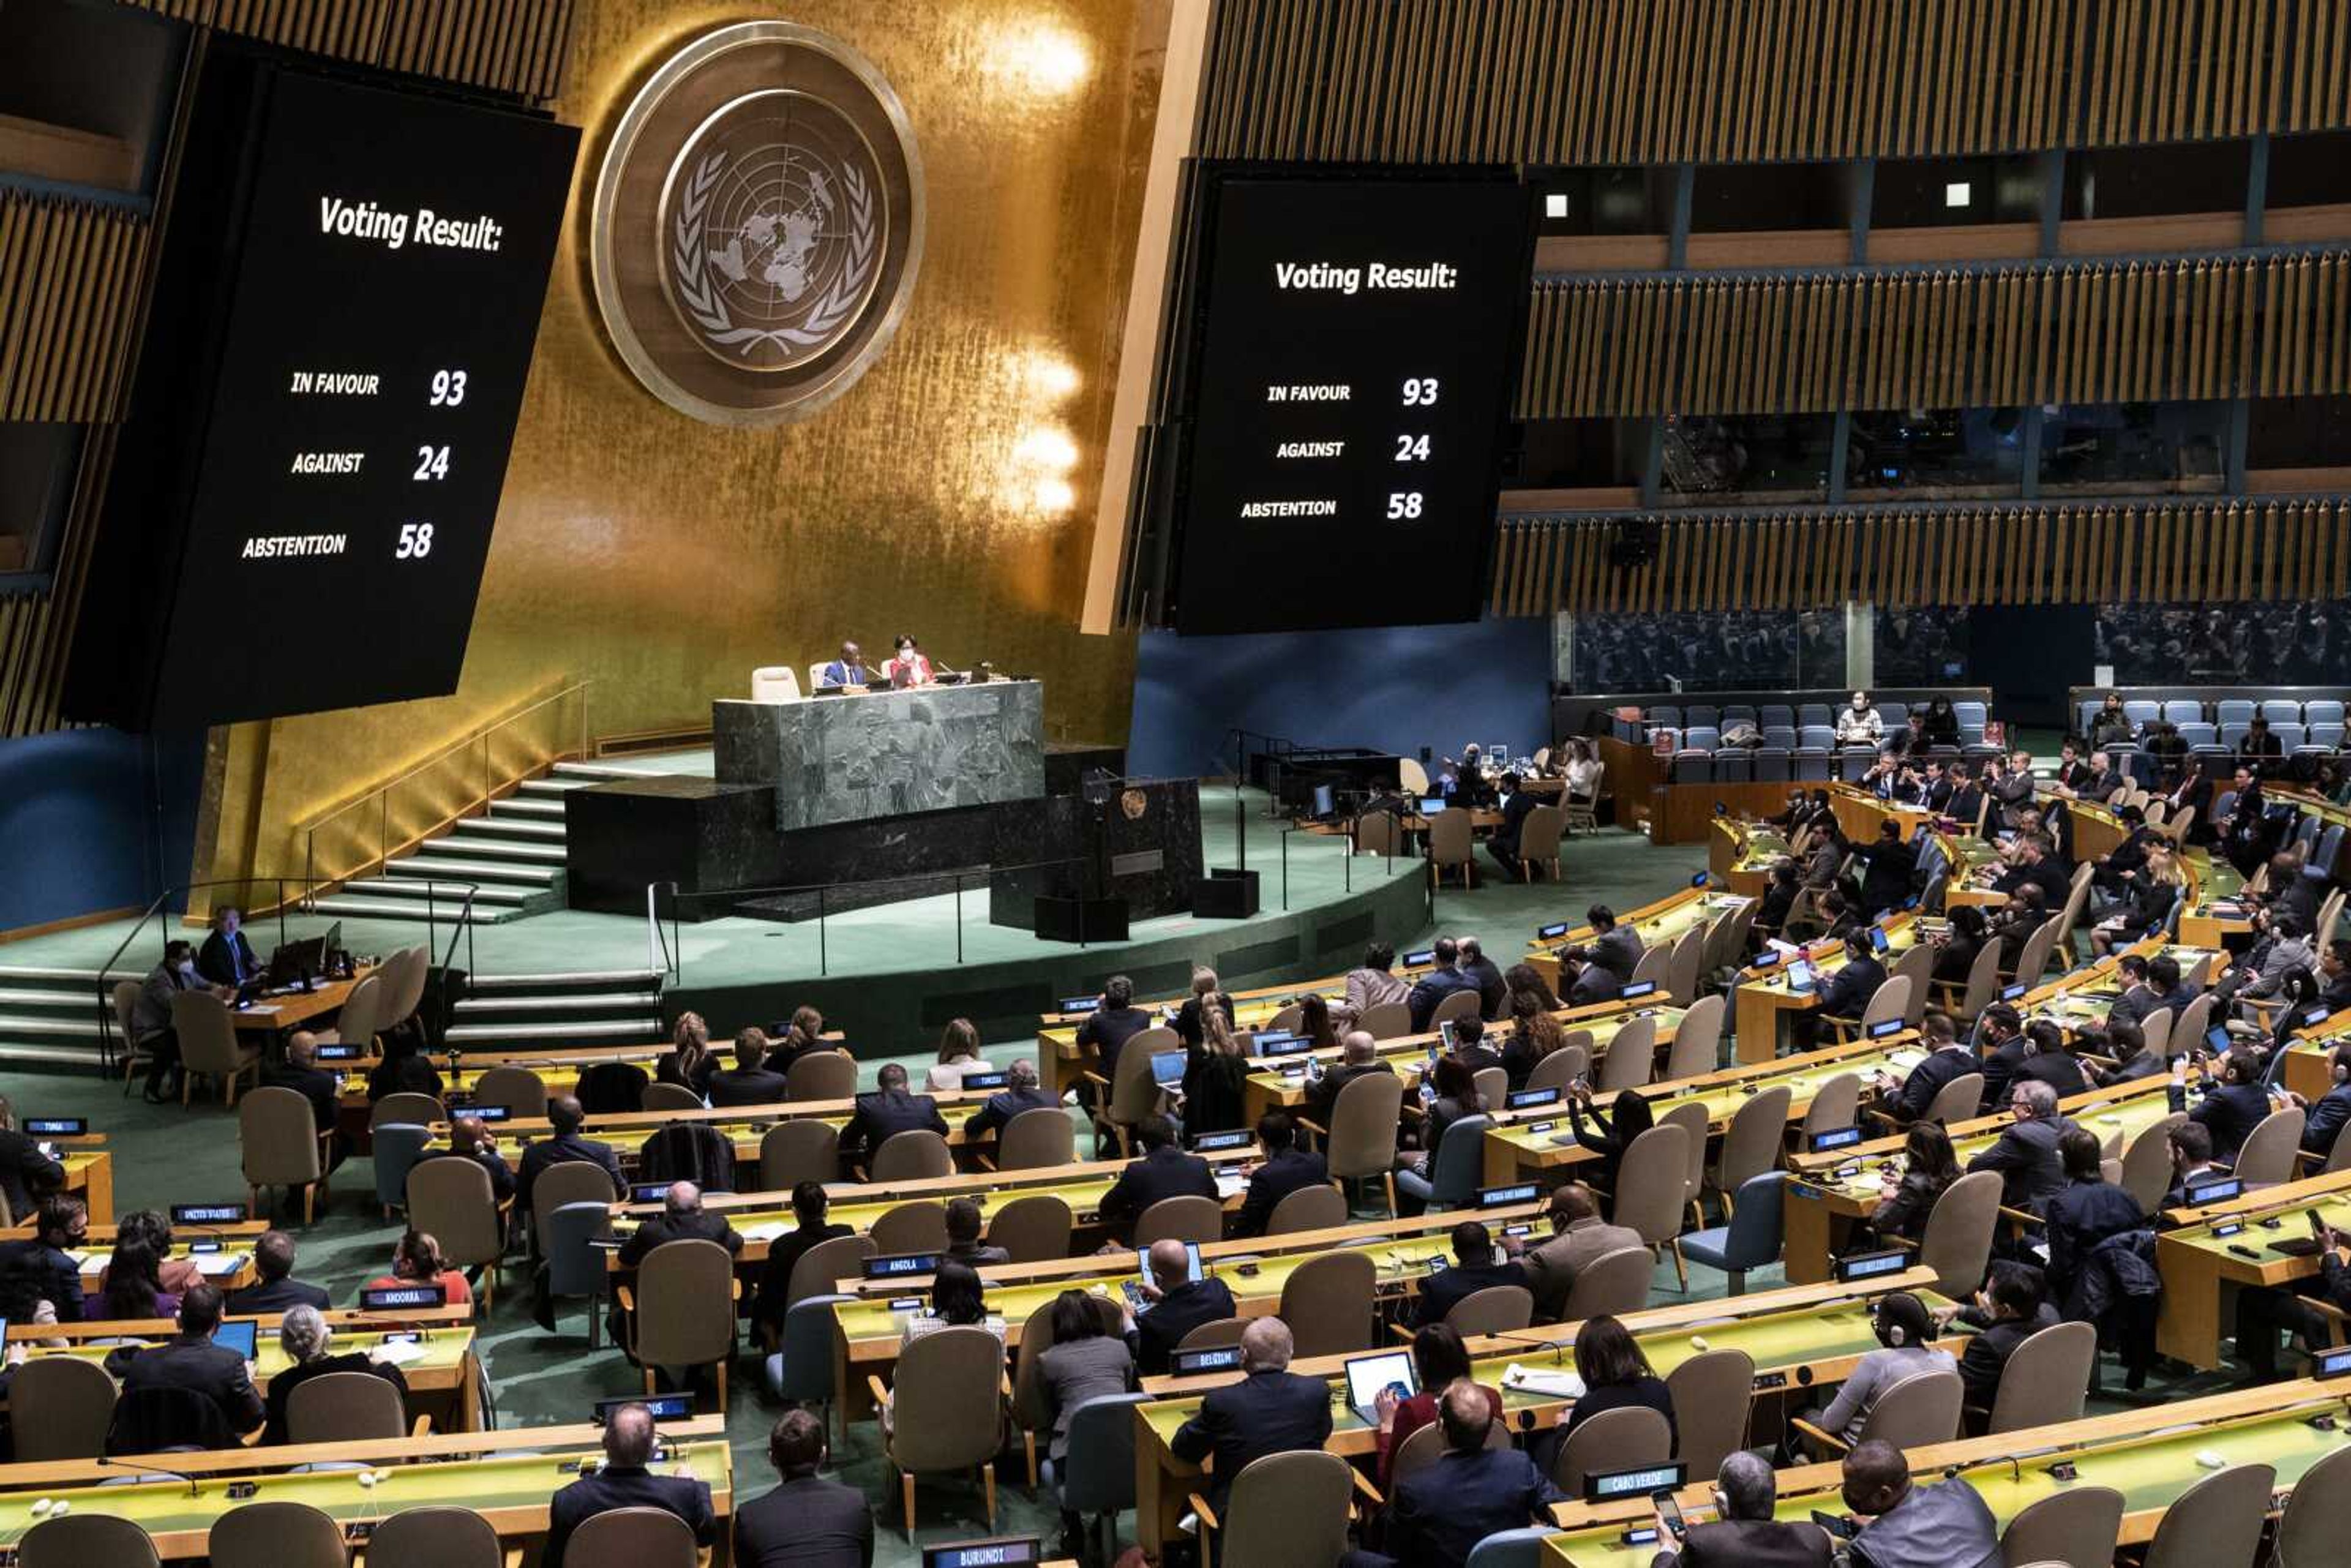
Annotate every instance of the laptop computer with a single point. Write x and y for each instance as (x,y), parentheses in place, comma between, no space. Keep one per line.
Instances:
(1367,1375)
(1431,804)
(1167,1068)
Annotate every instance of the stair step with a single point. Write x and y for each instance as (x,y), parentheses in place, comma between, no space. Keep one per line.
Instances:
(515,851)
(15,996)
(594,772)
(557,787)
(21,1024)
(527,806)
(405,909)
(628,1030)
(606,977)
(446,897)
(443,868)
(15,972)
(512,826)
(582,1002)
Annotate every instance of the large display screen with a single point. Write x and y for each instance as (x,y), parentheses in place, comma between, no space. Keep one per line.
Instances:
(325,459)
(1348,402)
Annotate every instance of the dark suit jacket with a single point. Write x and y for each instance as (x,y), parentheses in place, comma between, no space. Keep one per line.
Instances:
(1597,983)
(1107,1030)
(276,1297)
(2026,1158)
(1514,819)
(613,1488)
(315,1084)
(1446,1508)
(1432,988)
(1845,992)
(703,1224)
(1750,1543)
(733,1086)
(1162,1172)
(1998,1068)
(1159,1331)
(202,1367)
(2230,1113)
(879,1115)
(1440,1293)
(26,1174)
(1001,1108)
(1276,1179)
(1264,1413)
(1926,1081)
(807,1522)
(784,1253)
(214,963)
(501,1175)
(2328,1112)
(1493,992)
(564,1149)
(30,1272)
(1619,951)
(1322,1097)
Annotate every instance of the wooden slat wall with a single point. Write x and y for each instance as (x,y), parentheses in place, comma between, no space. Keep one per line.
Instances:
(69,275)
(2166,548)
(1649,81)
(2042,332)
(506,46)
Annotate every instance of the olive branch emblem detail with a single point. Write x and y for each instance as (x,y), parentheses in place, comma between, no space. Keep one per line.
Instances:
(705,305)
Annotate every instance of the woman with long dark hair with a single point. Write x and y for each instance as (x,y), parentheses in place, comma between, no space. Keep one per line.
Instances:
(1929,1166)
(1611,1131)
(1440,1359)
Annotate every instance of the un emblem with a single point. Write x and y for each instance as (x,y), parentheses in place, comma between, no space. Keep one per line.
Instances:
(759,223)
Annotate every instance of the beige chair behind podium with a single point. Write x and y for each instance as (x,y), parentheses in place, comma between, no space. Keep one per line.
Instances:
(208,1044)
(775,684)
(280,1146)
(345,1408)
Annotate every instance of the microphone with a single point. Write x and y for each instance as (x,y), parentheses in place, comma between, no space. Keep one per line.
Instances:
(144,1468)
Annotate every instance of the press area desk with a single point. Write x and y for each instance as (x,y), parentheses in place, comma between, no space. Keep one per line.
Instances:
(1821,1207)
(2150,1456)
(507,1477)
(742,1126)
(1801,1339)
(2217,1250)
(444,1381)
(1658,925)
(867,1334)
(1522,1144)
(1762,998)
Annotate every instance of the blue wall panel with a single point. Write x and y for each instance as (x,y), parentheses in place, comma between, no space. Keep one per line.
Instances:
(93,820)
(1392,688)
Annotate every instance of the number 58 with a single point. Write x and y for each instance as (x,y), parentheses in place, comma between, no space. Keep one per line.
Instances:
(415,542)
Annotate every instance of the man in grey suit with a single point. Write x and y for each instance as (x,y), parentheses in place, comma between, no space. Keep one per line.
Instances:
(1946,1525)
(807,1521)
(1744,1535)
(1615,947)
(2026,1153)
(1578,1236)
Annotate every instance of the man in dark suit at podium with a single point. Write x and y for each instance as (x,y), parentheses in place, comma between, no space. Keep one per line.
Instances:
(848,670)
(227,958)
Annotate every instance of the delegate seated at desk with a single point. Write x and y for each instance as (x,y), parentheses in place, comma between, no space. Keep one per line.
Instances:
(848,670)
(910,660)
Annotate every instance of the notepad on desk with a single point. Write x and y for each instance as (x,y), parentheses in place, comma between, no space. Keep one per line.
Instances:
(767,1232)
(1551,1383)
(400,1352)
(219,1265)
(1904,1060)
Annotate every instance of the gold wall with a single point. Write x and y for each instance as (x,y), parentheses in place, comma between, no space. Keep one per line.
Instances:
(948,494)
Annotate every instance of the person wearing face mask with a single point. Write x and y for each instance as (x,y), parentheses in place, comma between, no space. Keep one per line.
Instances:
(150,1018)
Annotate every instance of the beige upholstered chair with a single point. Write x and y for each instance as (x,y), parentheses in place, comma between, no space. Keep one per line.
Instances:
(1651,1182)
(1033,1229)
(1036,1139)
(2218,1519)
(276,1535)
(569,1181)
(917,1227)
(1131,1095)
(775,684)
(416,1109)
(821,1075)
(683,1309)
(670,1097)
(1459,1005)
(1632,1058)
(1581,810)
(1200,1219)
(1386,1020)
(1363,1131)
(1957,1244)
(345,1408)
(1285,1511)
(1698,1041)
(1888,1004)
(2317,1518)
(1710,1393)
(126,1015)
(1624,1439)
(1376,833)
(802,1149)
(951,1417)
(435,1537)
(521,1091)
(2267,1157)
(826,1264)
(2079,1524)
(1750,1144)
(632,1538)
(1327,1303)
(86,1541)
(1692,1118)
(1308,1208)
(2046,1380)
(1565,1064)
(1214,1334)
(1449,842)
(450,1201)
(1538,836)
(1426,1443)
(1957,1101)
(406,989)
(1614,1283)
(1917,1411)
(60,1408)
(2146,1165)
(1496,1309)
(915,1154)
(1836,1104)
(278,1138)
(362,1017)
(208,1044)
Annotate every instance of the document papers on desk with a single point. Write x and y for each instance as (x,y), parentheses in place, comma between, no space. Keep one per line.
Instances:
(1550,1383)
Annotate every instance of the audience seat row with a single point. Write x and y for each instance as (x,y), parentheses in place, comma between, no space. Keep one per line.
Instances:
(2224,715)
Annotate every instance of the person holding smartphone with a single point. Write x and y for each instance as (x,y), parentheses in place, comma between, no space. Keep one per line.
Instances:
(2261,1313)
(1743,1534)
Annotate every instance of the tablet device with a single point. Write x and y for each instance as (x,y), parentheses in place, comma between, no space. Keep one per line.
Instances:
(238,1334)
(1368,1376)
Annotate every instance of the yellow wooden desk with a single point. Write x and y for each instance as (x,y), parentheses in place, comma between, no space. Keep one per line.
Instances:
(1821,1206)
(1763,997)
(2150,1456)
(1802,1340)
(1661,924)
(227,1266)
(744,1126)
(511,1490)
(90,1174)
(1741,855)
(2213,911)
(440,1370)
(276,1012)
(2309,1068)
(1525,1142)
(868,1331)
(2215,1251)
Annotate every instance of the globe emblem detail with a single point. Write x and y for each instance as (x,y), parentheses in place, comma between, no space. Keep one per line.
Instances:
(776,231)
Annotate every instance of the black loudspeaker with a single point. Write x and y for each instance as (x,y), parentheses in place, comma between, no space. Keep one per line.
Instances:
(1225,895)
(1080,919)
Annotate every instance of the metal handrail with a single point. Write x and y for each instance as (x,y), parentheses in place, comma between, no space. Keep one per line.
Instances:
(380,795)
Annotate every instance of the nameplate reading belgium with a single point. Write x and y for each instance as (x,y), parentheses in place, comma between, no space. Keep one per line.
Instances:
(1358,352)
(392,263)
